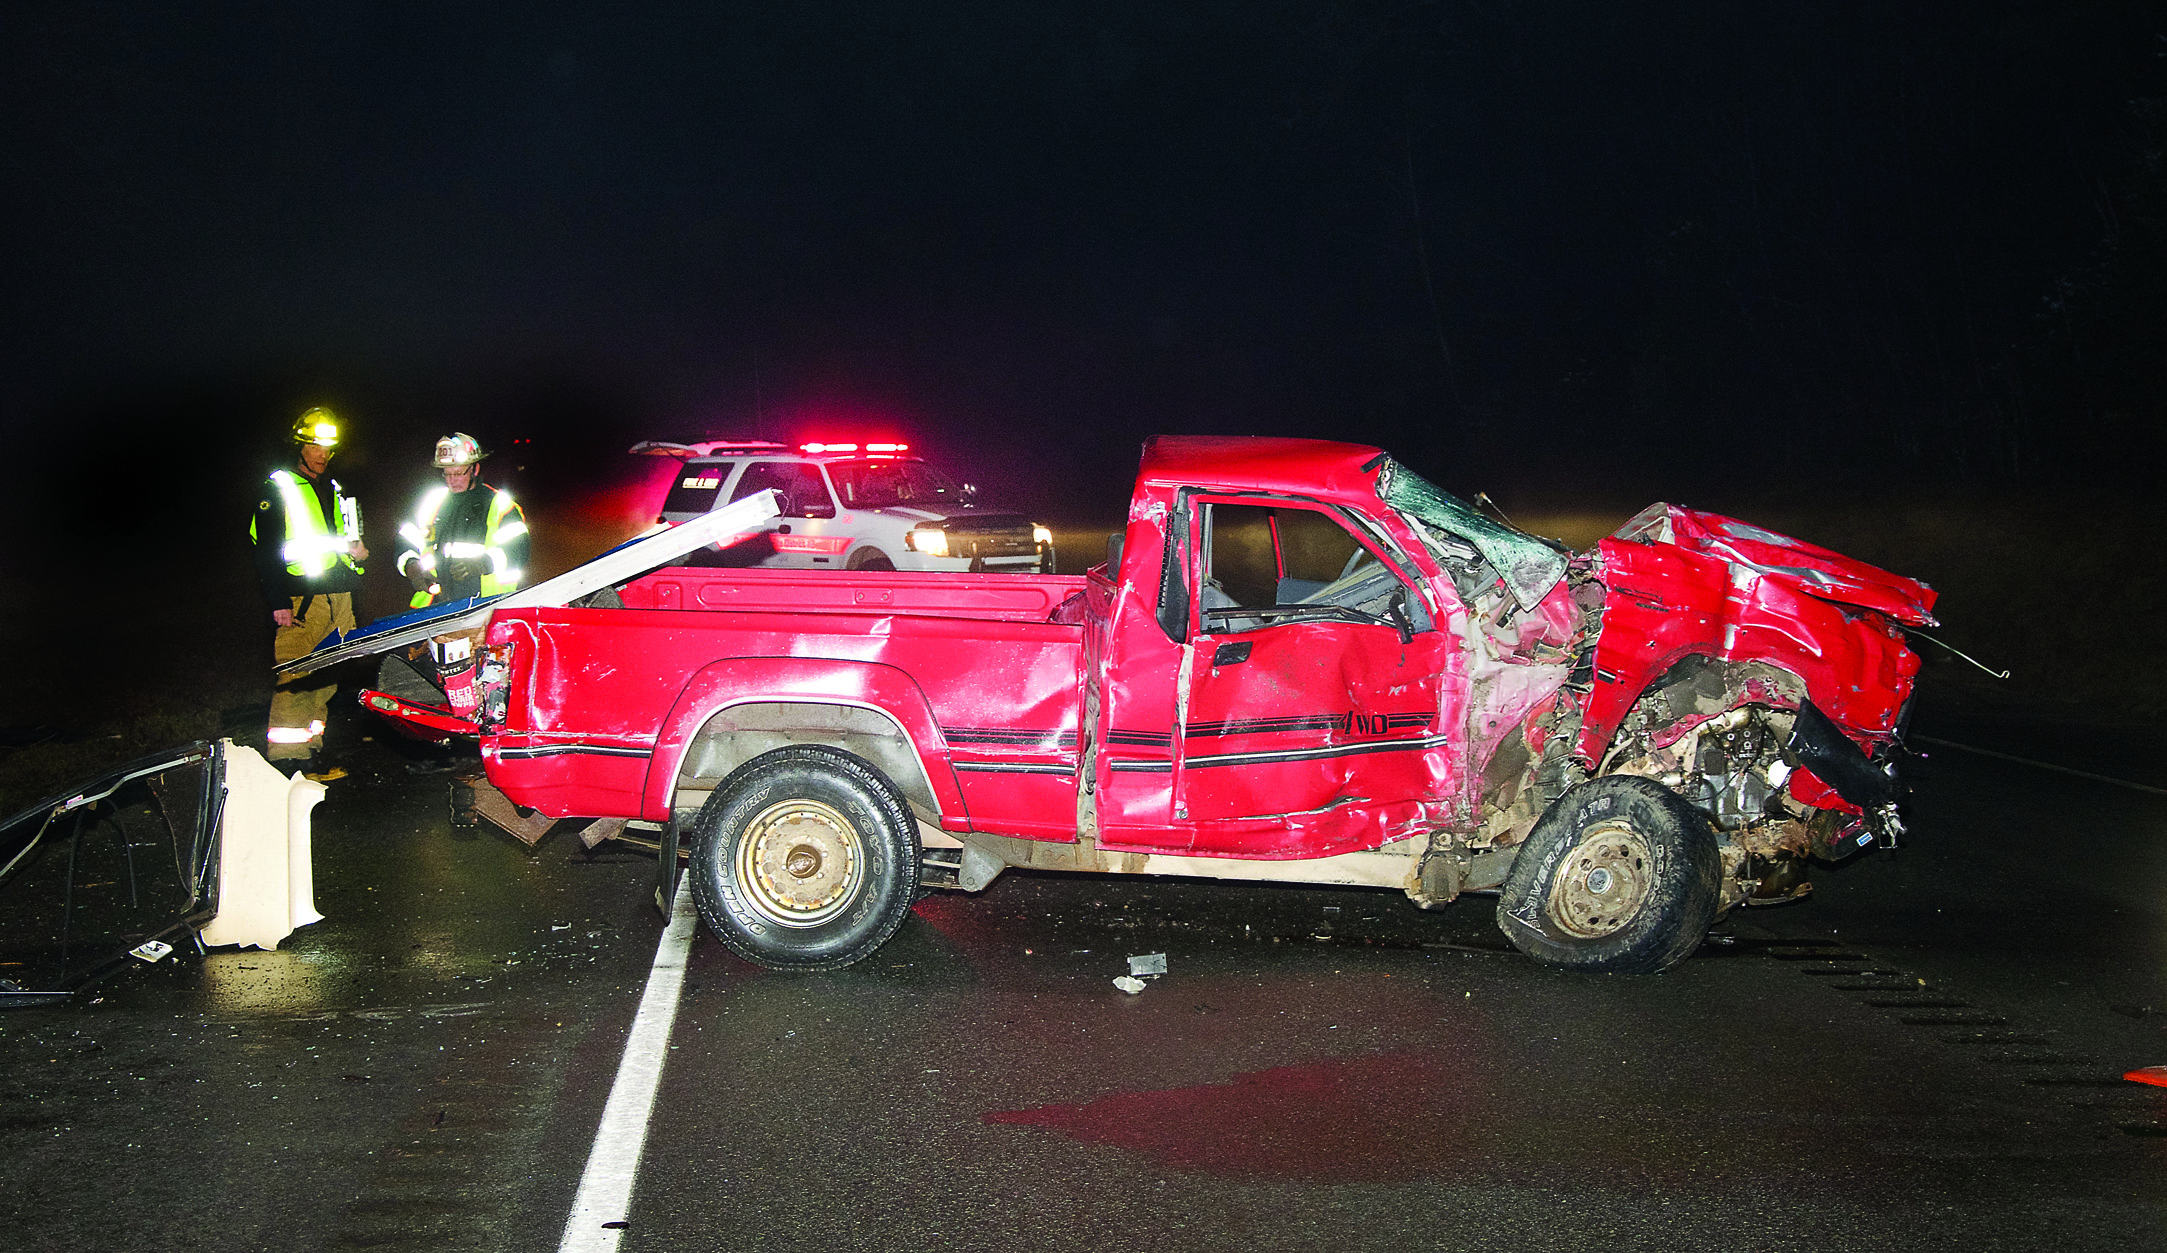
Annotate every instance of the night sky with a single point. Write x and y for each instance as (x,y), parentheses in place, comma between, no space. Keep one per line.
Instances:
(1623,251)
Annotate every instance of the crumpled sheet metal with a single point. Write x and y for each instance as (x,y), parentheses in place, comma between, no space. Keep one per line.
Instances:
(1814,570)
(1670,600)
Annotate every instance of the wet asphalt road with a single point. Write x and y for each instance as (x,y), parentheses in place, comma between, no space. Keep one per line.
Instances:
(1924,1056)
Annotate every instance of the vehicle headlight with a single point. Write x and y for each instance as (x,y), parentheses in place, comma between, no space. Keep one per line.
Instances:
(931,542)
(1040,535)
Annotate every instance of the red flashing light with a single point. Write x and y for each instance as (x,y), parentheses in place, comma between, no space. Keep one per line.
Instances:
(815,449)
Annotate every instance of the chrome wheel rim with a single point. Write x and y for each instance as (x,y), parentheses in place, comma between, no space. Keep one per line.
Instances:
(1602,883)
(801,863)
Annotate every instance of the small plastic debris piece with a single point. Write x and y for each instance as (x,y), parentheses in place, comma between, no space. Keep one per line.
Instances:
(1129,984)
(2154,1075)
(1148,964)
(151,950)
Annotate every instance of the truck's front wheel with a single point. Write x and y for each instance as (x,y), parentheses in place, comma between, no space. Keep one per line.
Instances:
(805,860)
(1619,875)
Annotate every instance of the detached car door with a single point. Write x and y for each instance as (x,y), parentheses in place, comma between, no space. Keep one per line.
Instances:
(1314,712)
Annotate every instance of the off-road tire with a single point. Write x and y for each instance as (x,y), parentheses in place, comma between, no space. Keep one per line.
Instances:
(805,859)
(1619,876)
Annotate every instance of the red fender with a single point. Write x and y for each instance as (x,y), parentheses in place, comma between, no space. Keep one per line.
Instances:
(801,680)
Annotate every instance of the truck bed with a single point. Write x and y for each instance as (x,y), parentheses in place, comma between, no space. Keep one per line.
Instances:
(990,597)
(983,670)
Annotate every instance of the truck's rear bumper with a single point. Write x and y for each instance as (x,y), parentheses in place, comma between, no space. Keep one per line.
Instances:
(433,719)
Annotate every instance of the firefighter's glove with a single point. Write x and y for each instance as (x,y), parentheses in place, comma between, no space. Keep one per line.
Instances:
(418,577)
(460,569)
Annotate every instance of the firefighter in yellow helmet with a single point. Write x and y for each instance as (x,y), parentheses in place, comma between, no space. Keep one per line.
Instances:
(308,550)
(466,538)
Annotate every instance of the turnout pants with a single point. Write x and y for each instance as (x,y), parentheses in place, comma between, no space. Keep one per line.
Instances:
(298,701)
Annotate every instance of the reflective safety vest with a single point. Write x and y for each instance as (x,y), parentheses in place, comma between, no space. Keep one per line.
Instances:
(419,532)
(312,546)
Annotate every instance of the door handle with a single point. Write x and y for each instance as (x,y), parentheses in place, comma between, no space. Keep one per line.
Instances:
(1230,654)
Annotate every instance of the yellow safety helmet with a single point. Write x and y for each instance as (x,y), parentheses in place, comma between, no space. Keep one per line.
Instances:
(458,449)
(319,426)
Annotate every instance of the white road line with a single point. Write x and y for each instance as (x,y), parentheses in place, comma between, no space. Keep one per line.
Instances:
(2043,765)
(605,1189)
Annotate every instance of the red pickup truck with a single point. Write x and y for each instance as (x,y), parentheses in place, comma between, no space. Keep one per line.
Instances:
(1300,661)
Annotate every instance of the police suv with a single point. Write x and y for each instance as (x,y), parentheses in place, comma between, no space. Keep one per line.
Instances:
(847,507)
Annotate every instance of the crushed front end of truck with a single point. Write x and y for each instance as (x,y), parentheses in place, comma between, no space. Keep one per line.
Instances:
(1761,681)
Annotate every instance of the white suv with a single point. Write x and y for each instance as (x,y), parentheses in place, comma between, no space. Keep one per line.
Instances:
(848,507)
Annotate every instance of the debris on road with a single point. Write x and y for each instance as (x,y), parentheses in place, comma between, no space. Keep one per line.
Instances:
(84,902)
(2154,1075)
(1147,964)
(266,878)
(474,796)
(601,829)
(1129,984)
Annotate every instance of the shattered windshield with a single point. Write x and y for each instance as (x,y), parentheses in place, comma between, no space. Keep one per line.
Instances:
(1529,566)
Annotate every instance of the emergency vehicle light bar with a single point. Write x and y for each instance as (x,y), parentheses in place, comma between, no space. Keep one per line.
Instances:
(820,448)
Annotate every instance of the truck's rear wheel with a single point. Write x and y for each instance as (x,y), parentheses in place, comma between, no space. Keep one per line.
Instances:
(1620,875)
(806,859)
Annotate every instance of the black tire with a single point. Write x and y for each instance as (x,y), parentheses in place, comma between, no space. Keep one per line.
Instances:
(870,559)
(805,859)
(1620,876)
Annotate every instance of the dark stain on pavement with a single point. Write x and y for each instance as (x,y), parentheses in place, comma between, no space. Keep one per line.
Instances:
(1314,1123)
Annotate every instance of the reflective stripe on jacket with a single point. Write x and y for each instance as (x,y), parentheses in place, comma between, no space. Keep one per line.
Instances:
(312,546)
(504,525)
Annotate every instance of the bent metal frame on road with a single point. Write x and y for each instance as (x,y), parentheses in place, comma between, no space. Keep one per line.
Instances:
(625,562)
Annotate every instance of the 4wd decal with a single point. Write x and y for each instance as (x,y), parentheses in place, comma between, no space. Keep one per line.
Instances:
(1349,723)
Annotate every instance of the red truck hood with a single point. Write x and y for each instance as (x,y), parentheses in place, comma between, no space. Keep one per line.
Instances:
(1813,570)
